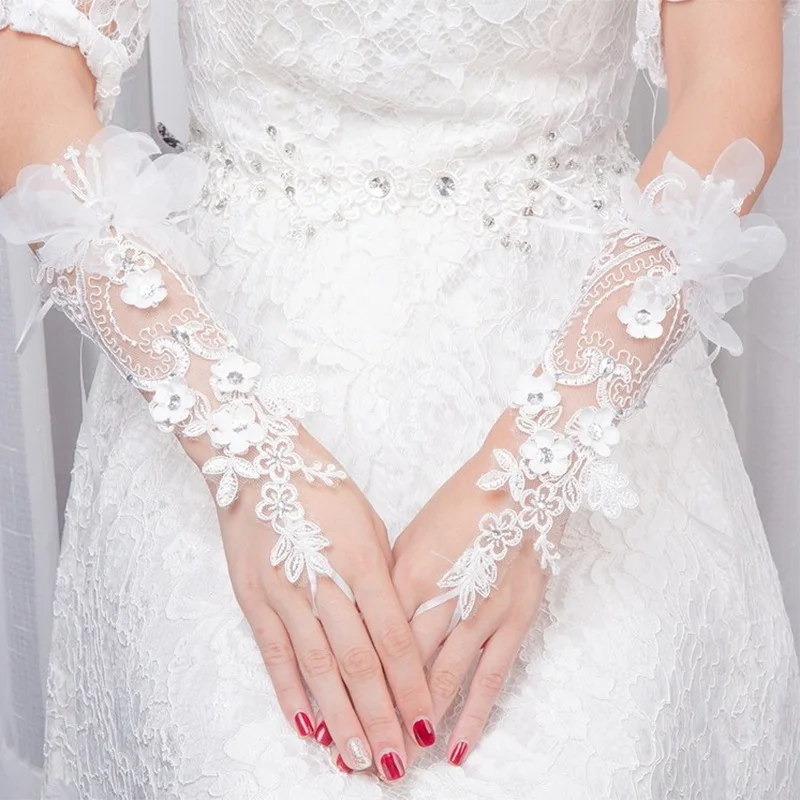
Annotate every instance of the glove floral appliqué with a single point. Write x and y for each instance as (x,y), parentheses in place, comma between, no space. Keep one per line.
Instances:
(106,225)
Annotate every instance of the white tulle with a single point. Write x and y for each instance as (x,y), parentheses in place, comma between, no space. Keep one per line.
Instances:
(122,186)
(717,252)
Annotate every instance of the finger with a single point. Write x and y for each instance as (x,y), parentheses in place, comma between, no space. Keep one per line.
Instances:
(398,653)
(322,734)
(278,655)
(453,663)
(360,668)
(494,666)
(319,668)
(382,537)
(430,628)
(338,761)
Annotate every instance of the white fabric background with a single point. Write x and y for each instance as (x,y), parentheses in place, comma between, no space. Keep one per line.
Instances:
(40,408)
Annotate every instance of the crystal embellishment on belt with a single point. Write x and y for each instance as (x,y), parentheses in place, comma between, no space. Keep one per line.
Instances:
(379,184)
(444,185)
(499,198)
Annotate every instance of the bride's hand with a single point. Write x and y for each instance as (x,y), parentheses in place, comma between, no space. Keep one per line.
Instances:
(428,546)
(354,664)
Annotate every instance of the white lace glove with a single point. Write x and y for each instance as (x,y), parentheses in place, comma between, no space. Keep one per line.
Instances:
(677,258)
(106,228)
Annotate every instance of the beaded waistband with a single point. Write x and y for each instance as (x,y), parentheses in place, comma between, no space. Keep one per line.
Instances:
(499,194)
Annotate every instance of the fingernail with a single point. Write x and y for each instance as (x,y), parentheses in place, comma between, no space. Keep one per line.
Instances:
(303,724)
(459,753)
(342,766)
(323,735)
(359,753)
(424,732)
(392,766)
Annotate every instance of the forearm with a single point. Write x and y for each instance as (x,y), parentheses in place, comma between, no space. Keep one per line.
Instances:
(48,96)
(48,102)
(724,68)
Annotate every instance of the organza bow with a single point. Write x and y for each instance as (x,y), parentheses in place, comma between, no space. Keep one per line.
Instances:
(718,252)
(116,184)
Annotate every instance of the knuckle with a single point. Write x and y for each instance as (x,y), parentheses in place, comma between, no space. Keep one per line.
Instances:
(409,579)
(373,561)
(397,640)
(473,719)
(249,596)
(380,726)
(409,696)
(402,571)
(317,661)
(490,683)
(361,562)
(444,683)
(276,654)
(360,663)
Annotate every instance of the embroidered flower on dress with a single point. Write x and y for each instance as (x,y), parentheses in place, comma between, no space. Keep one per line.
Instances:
(143,289)
(172,402)
(381,184)
(234,427)
(533,394)
(318,114)
(644,312)
(598,431)
(234,373)
(546,453)
(441,186)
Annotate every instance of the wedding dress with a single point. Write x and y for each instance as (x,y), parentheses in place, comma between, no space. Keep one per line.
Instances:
(402,201)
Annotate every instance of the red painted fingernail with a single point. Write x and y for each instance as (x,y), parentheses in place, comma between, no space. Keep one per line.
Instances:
(459,753)
(303,724)
(392,766)
(341,765)
(323,735)
(424,732)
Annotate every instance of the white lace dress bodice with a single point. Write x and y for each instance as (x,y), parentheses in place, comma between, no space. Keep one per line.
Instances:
(402,200)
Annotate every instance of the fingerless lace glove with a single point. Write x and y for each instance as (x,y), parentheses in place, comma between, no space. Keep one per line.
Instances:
(674,261)
(106,226)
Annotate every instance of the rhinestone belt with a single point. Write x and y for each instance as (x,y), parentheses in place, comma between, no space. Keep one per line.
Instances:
(499,196)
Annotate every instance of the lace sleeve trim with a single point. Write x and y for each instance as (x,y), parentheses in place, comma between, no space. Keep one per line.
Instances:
(648,51)
(108,56)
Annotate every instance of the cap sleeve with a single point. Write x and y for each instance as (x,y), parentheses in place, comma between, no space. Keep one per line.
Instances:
(648,52)
(109,33)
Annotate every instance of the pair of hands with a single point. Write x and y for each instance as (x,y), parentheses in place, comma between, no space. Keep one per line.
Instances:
(365,664)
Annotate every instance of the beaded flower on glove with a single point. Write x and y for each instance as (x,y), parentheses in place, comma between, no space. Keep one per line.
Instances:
(104,224)
(676,259)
